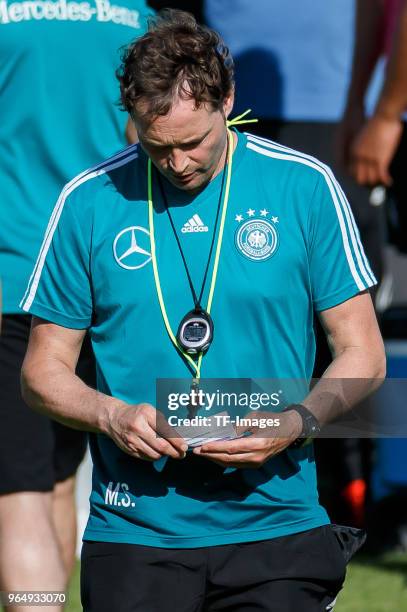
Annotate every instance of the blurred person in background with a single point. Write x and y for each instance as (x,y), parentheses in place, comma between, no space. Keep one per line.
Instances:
(195,7)
(293,66)
(374,150)
(57,118)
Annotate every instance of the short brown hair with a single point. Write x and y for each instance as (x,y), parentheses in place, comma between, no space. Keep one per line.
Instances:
(177,56)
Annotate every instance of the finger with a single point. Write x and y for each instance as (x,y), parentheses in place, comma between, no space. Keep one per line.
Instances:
(138,449)
(161,445)
(363,174)
(359,166)
(164,430)
(359,171)
(241,445)
(236,459)
(372,174)
(164,437)
(385,177)
(230,464)
(224,464)
(146,452)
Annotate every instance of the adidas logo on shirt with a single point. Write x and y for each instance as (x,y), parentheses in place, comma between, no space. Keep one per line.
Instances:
(195,224)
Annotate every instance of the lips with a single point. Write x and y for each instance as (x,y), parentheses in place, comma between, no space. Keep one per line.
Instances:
(184,177)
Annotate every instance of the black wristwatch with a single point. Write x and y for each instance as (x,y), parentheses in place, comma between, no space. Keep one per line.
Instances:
(310,426)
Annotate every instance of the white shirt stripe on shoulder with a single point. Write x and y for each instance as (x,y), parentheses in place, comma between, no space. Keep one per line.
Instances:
(337,186)
(121,154)
(113,162)
(279,152)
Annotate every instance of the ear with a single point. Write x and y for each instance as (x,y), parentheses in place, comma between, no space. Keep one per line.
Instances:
(228,103)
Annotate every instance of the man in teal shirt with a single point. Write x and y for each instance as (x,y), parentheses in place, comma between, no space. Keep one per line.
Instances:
(52,107)
(126,254)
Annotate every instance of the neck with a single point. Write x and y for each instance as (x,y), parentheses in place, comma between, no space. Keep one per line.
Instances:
(222,160)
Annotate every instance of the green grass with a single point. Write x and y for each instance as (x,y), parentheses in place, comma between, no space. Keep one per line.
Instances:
(74,600)
(375,585)
(372,585)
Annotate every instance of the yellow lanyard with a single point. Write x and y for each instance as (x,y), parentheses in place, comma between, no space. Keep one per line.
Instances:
(195,365)
(239,119)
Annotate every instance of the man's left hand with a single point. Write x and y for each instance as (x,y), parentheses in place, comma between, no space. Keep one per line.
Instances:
(373,149)
(254,450)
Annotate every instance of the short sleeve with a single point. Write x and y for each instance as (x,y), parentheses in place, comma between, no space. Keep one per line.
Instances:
(59,289)
(338,266)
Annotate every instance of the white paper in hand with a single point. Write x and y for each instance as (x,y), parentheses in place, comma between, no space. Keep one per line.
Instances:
(196,435)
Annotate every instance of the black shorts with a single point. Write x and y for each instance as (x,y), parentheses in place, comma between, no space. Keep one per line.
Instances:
(35,452)
(304,571)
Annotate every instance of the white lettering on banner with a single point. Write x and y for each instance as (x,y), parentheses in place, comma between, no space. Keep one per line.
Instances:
(64,10)
(117,14)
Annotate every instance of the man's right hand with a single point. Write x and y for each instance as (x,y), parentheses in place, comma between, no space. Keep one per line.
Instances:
(143,432)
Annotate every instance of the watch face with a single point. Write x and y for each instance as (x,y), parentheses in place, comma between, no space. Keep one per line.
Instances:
(195,332)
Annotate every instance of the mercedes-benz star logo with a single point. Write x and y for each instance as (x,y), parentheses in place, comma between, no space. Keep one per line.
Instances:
(127,250)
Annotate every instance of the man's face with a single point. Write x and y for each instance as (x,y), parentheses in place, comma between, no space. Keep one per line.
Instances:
(186,145)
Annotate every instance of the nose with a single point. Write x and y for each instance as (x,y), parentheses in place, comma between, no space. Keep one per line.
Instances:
(178,161)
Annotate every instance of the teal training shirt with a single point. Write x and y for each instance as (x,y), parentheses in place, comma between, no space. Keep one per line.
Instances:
(290,247)
(59,112)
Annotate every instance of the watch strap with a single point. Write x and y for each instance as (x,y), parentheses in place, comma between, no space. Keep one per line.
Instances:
(310,426)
